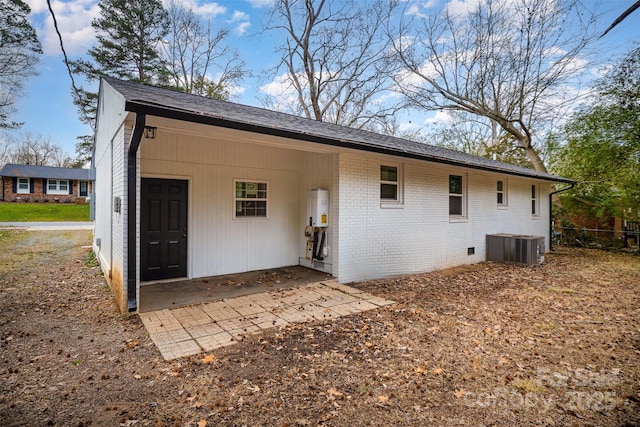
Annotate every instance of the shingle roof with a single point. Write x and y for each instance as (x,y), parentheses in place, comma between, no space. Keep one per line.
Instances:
(50,172)
(140,98)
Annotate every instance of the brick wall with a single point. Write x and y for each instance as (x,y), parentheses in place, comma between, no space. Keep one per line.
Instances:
(380,240)
(38,195)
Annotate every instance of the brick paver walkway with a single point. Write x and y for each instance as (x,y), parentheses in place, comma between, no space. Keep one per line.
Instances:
(190,330)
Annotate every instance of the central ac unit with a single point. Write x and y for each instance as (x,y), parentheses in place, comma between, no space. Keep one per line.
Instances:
(515,249)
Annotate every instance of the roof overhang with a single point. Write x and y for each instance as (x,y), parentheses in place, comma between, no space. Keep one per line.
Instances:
(143,107)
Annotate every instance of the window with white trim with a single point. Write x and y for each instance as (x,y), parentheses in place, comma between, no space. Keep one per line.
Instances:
(501,193)
(250,199)
(535,201)
(23,186)
(57,186)
(456,195)
(390,184)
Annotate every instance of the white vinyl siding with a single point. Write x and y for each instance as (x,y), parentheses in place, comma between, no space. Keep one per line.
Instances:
(220,241)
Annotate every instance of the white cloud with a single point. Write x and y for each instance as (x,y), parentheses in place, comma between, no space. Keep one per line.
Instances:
(242,28)
(261,3)
(74,22)
(239,15)
(281,92)
(414,10)
(37,6)
(243,19)
(236,91)
(462,7)
(206,9)
(440,117)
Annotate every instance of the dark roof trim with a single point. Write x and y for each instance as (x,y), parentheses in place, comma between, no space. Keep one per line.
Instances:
(49,172)
(194,117)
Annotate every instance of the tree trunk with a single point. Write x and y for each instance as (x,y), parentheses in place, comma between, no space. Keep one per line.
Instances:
(535,159)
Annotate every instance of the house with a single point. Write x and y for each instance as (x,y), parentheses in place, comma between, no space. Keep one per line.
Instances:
(30,183)
(191,187)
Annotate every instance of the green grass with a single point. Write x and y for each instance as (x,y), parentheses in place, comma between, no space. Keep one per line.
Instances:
(30,212)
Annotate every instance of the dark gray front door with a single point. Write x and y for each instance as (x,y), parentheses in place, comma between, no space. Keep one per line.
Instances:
(84,189)
(163,229)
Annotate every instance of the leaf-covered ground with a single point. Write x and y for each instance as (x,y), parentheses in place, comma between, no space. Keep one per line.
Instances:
(487,344)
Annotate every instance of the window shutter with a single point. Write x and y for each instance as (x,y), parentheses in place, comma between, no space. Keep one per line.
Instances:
(15,185)
(70,186)
(44,186)
(31,186)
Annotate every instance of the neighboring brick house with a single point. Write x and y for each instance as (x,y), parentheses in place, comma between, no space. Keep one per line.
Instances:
(190,187)
(29,183)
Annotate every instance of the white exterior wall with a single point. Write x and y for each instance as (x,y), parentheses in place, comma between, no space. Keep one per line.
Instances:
(376,240)
(218,243)
(366,238)
(317,173)
(110,164)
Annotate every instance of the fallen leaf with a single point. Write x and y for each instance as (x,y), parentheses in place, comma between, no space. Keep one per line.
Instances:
(437,371)
(132,344)
(383,399)
(202,423)
(208,359)
(369,344)
(333,393)
(460,393)
(421,370)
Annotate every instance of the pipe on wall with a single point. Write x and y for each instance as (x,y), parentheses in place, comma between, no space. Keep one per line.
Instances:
(132,267)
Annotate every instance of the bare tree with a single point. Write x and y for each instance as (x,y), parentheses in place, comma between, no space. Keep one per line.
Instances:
(35,150)
(508,61)
(479,136)
(197,59)
(20,52)
(336,60)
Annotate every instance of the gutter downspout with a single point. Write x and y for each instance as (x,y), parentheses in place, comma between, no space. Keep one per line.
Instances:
(573,184)
(132,270)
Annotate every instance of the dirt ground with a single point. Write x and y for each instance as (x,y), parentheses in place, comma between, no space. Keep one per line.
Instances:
(488,344)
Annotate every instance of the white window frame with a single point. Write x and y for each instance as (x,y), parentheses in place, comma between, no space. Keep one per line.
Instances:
(398,183)
(462,195)
(237,199)
(26,190)
(535,200)
(504,192)
(58,189)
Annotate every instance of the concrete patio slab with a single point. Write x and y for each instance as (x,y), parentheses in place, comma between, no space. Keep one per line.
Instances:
(190,330)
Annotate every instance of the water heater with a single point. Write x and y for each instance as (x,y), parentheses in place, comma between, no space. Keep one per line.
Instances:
(318,208)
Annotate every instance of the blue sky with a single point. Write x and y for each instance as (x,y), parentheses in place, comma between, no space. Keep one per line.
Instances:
(47,109)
